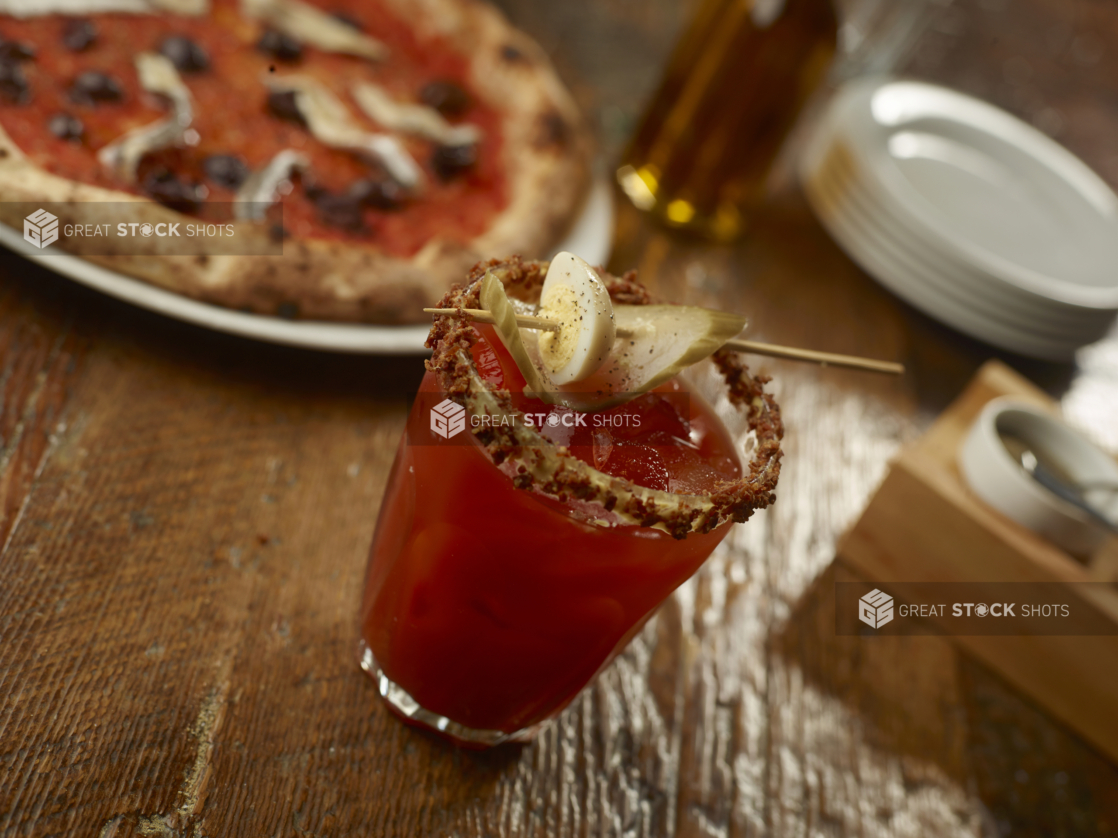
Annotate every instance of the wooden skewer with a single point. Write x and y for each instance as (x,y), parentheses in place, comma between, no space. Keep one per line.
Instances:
(480,315)
(752,347)
(827,359)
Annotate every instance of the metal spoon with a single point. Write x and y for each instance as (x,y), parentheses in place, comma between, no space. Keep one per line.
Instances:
(1054,479)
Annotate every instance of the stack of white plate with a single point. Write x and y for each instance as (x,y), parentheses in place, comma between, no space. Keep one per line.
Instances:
(969,214)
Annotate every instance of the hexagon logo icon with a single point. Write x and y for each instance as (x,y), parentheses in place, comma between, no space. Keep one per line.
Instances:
(448,419)
(875,609)
(40,229)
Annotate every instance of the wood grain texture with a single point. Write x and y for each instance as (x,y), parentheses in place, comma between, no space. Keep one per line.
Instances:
(186,516)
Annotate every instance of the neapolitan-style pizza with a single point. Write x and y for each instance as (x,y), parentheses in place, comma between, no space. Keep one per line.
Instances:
(404,139)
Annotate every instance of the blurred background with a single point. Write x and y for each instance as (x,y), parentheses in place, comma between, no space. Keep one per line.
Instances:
(1049,62)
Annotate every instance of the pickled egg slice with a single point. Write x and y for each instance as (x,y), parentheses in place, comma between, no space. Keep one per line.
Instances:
(574,296)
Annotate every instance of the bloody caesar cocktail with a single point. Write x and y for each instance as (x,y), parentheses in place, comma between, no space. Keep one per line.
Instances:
(513,561)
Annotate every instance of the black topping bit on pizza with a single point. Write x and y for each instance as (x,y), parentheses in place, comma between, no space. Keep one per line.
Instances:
(79,34)
(282,47)
(16,51)
(13,83)
(66,127)
(164,186)
(92,87)
(449,161)
(226,170)
(283,105)
(185,54)
(383,194)
(288,311)
(349,20)
(446,97)
(341,211)
(312,189)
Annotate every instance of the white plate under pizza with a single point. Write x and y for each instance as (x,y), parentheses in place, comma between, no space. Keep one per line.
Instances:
(382,146)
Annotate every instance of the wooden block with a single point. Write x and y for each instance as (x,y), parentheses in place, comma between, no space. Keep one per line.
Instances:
(1103,566)
(925,525)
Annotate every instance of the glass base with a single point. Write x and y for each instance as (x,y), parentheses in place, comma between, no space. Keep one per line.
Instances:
(401,703)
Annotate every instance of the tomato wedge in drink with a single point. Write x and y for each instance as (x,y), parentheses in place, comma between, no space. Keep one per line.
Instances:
(522,543)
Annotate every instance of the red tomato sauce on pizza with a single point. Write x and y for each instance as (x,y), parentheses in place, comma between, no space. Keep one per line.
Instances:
(232,116)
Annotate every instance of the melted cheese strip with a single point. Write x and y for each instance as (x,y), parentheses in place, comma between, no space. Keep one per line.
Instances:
(407,118)
(32,8)
(309,25)
(260,190)
(331,123)
(157,75)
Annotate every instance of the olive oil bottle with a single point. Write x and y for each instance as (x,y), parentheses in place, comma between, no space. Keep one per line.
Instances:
(731,94)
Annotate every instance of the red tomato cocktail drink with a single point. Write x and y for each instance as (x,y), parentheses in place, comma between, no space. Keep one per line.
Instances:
(515,557)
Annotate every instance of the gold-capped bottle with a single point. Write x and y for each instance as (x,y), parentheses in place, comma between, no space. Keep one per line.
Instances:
(732,91)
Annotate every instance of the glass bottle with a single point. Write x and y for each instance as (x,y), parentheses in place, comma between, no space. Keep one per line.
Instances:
(731,94)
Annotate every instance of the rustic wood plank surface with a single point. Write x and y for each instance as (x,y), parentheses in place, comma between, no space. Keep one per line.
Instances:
(184,518)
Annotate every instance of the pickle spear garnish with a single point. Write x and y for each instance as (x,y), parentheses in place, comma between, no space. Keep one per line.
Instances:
(659,342)
(653,343)
(496,301)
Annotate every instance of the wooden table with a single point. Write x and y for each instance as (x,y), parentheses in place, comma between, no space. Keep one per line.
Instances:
(184,519)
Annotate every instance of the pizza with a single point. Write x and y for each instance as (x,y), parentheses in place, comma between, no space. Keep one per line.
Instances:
(387,144)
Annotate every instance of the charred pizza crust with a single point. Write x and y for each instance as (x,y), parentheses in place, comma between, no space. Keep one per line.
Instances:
(545,153)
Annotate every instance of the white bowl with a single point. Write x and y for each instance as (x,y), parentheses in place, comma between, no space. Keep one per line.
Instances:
(1000,480)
